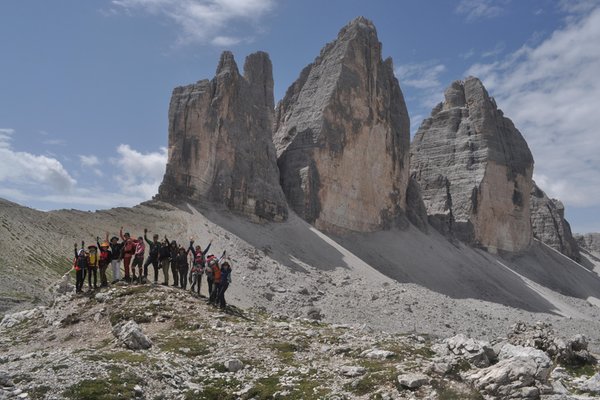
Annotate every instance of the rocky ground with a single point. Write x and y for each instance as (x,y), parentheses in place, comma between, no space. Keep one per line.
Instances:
(156,342)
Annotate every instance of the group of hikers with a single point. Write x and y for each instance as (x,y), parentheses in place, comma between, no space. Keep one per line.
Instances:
(163,255)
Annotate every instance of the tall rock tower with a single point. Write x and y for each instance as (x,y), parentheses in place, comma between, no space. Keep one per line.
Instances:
(342,137)
(474,169)
(220,141)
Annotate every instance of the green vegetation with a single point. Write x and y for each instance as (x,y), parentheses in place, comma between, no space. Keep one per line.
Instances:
(38,392)
(115,386)
(126,314)
(187,346)
(216,389)
(585,369)
(264,388)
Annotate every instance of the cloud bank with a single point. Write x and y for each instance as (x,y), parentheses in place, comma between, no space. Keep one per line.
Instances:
(216,22)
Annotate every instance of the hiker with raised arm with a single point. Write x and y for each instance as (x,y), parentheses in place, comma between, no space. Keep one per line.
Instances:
(138,260)
(198,264)
(213,265)
(128,250)
(174,250)
(92,266)
(115,257)
(103,260)
(80,265)
(154,248)
(164,259)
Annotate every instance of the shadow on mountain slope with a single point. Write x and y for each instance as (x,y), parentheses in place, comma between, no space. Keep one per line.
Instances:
(457,270)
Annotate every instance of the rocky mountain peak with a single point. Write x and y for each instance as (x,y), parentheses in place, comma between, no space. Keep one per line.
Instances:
(220,145)
(474,169)
(342,136)
(227,64)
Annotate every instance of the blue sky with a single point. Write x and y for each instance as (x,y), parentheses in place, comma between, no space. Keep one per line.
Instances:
(85,85)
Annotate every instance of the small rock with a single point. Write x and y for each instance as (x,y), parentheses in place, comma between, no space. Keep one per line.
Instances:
(5,379)
(352,371)
(592,385)
(314,313)
(413,380)
(377,354)
(130,334)
(138,390)
(233,365)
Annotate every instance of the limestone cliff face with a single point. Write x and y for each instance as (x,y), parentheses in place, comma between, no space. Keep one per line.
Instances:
(220,144)
(549,224)
(342,137)
(474,169)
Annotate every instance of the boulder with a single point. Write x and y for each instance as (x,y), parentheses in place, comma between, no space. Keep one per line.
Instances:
(413,380)
(549,225)
(377,354)
(478,353)
(342,137)
(11,320)
(220,141)
(131,336)
(352,371)
(474,169)
(233,365)
(592,385)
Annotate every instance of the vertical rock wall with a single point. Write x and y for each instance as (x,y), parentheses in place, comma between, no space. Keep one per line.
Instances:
(342,137)
(220,144)
(474,169)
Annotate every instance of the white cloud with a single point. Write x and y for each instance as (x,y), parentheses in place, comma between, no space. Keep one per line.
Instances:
(205,21)
(30,169)
(140,174)
(480,9)
(89,161)
(552,92)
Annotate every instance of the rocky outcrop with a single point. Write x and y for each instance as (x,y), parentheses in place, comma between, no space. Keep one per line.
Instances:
(474,169)
(220,145)
(589,242)
(342,137)
(549,225)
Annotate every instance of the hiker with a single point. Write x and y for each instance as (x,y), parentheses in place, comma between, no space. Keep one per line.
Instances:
(80,265)
(103,261)
(164,259)
(225,281)
(138,260)
(92,266)
(152,255)
(182,265)
(127,251)
(115,258)
(198,264)
(174,268)
(215,271)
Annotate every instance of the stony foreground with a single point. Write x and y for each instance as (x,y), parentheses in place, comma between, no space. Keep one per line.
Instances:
(163,343)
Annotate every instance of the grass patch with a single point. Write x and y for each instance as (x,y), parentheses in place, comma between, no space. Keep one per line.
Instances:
(126,314)
(578,370)
(308,389)
(116,386)
(38,392)
(216,389)
(219,367)
(286,350)
(264,388)
(186,346)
